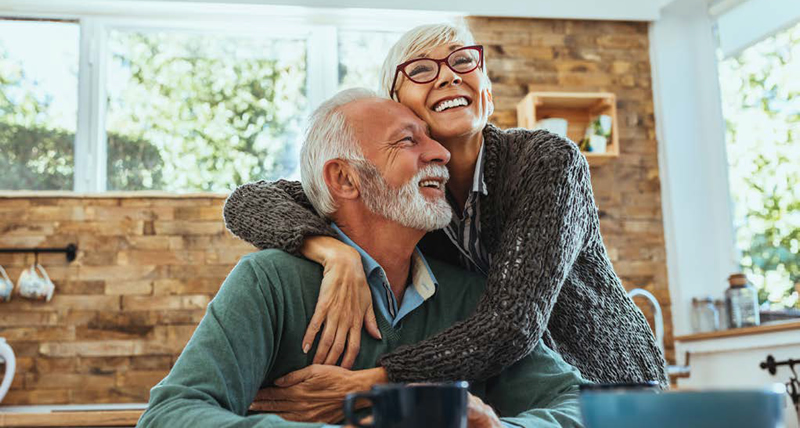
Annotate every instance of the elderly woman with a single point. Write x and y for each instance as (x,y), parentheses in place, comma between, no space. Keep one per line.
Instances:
(524,217)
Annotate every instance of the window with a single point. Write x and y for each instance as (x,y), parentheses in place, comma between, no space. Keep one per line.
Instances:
(201,103)
(761,106)
(202,112)
(38,104)
(361,55)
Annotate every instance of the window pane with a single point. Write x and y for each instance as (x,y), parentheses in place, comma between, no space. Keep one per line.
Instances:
(192,111)
(761,106)
(38,104)
(361,55)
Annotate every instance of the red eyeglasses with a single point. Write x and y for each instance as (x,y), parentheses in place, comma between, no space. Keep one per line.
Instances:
(426,70)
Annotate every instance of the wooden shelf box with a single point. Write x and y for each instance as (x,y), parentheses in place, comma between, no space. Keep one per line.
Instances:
(578,108)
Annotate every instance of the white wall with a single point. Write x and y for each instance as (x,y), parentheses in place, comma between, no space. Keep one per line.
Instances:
(696,203)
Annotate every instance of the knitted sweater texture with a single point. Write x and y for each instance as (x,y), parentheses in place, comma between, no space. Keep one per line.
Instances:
(549,278)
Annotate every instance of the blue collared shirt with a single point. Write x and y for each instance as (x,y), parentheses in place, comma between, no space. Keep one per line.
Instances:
(423,286)
(422,283)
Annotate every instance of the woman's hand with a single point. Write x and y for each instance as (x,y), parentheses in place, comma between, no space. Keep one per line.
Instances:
(316,393)
(344,303)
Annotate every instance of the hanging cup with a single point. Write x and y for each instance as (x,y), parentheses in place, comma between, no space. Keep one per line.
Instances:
(34,286)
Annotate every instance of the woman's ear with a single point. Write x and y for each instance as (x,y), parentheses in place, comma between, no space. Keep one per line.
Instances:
(489,100)
(341,179)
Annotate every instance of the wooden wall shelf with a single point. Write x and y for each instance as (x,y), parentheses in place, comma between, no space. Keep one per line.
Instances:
(578,108)
(735,332)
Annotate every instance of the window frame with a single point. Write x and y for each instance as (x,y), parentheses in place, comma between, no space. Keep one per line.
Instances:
(91,141)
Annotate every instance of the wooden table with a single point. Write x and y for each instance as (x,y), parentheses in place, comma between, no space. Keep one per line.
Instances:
(103,418)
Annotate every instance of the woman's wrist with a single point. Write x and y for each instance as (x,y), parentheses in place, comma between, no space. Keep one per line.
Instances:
(371,377)
(326,249)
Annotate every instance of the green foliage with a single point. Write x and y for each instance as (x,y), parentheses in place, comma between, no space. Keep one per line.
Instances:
(761,102)
(361,55)
(185,112)
(219,111)
(33,156)
(133,164)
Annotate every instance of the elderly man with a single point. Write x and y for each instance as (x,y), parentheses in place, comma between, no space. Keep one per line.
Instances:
(370,166)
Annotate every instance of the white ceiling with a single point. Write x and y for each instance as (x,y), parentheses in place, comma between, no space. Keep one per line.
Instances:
(642,10)
(636,10)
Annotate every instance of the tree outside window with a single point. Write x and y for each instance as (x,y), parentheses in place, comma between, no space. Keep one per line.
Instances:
(186,110)
(361,55)
(38,104)
(761,106)
(197,112)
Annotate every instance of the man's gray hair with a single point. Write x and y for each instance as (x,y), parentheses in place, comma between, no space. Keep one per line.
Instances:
(328,136)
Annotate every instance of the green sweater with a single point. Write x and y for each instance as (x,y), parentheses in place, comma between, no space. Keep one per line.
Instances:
(251,335)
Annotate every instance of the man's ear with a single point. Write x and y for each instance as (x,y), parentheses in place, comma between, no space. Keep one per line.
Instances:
(341,179)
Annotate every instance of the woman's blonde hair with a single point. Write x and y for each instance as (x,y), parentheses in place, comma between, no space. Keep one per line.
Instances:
(419,41)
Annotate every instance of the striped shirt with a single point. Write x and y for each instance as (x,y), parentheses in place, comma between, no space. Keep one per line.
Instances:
(464,230)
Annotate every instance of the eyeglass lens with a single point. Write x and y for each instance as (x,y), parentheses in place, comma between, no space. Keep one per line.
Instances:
(425,70)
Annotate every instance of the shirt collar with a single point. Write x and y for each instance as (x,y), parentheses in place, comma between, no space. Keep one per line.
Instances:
(478,183)
(422,278)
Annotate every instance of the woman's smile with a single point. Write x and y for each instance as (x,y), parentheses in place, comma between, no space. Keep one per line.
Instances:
(451,103)
(455,105)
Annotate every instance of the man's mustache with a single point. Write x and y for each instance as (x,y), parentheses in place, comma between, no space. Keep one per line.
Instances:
(434,171)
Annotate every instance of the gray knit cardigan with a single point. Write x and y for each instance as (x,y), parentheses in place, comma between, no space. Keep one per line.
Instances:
(549,276)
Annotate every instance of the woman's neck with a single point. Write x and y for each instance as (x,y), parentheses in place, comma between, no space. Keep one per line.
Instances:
(464,152)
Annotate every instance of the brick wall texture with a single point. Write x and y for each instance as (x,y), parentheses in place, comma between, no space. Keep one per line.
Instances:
(148,266)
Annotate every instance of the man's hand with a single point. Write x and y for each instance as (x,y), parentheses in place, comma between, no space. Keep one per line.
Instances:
(316,393)
(480,415)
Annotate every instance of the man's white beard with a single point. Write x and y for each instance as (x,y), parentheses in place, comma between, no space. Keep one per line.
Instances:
(406,205)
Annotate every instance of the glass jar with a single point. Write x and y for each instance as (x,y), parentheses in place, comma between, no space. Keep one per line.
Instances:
(704,315)
(722,314)
(742,301)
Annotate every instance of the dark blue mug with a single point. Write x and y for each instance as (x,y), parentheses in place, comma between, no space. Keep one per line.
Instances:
(439,405)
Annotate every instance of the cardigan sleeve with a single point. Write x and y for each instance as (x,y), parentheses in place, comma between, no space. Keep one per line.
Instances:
(273,214)
(543,234)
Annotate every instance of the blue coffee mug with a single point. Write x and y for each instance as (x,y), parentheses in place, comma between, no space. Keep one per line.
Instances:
(435,405)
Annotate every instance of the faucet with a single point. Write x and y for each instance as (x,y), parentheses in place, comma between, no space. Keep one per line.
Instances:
(659,318)
(674,372)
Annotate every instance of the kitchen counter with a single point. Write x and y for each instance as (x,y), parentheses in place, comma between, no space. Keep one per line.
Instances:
(76,415)
(107,418)
(731,359)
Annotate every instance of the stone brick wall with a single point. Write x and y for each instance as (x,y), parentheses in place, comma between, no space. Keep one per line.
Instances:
(125,308)
(147,266)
